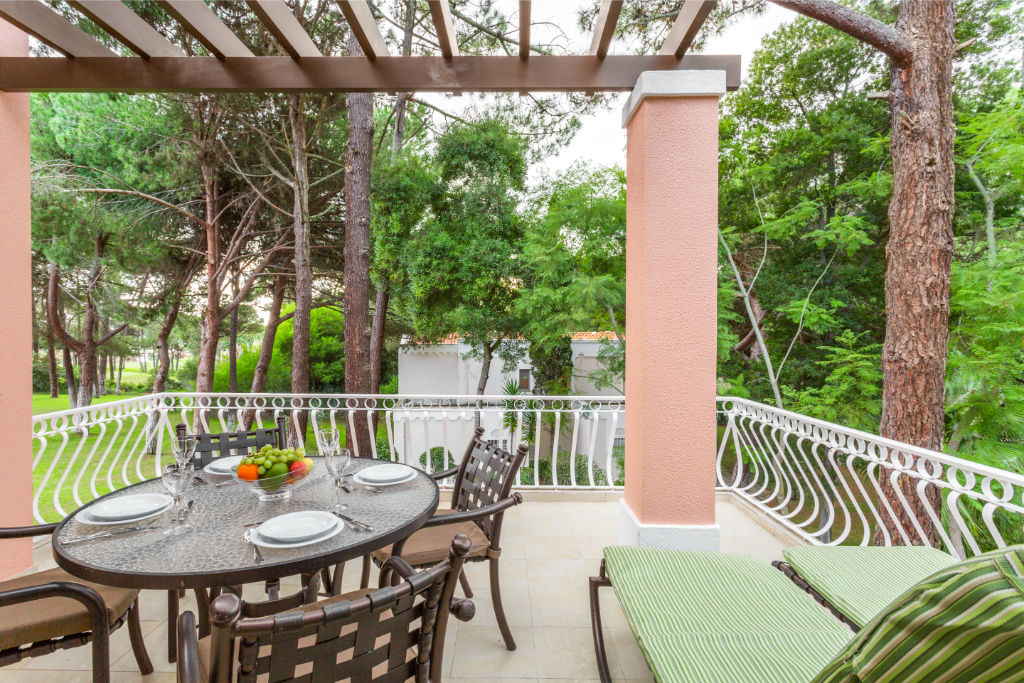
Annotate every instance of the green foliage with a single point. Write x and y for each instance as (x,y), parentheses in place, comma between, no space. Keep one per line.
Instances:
(326,348)
(542,474)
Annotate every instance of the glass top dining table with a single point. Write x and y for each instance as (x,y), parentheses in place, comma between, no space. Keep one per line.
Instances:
(214,552)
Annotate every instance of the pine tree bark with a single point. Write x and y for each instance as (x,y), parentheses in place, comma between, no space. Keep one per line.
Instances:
(358,158)
(259,376)
(233,339)
(69,378)
(209,326)
(51,356)
(303,257)
(921,47)
(163,356)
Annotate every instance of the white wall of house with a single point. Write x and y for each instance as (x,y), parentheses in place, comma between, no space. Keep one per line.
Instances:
(449,369)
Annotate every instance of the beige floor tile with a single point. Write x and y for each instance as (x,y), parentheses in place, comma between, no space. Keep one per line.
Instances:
(480,654)
(565,653)
(624,656)
(80,658)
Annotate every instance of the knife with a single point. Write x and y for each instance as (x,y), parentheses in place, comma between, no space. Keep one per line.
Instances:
(107,534)
(358,525)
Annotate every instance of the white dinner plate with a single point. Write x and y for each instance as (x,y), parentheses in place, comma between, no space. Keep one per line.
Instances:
(297,526)
(123,508)
(263,542)
(224,465)
(385,474)
(85,516)
(358,478)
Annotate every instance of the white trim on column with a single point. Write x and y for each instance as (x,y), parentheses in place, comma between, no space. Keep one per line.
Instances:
(688,83)
(672,536)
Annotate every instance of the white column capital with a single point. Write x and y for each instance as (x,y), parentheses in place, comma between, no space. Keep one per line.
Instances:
(682,83)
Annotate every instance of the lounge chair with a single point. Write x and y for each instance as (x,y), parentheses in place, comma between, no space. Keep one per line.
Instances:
(712,617)
(857,582)
(392,634)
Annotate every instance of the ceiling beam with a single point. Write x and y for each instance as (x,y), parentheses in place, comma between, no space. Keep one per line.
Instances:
(279,20)
(360,18)
(199,20)
(689,20)
(441,13)
(604,28)
(524,29)
(128,27)
(541,73)
(35,18)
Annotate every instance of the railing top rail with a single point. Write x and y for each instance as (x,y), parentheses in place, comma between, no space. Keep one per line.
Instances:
(430,397)
(943,458)
(95,407)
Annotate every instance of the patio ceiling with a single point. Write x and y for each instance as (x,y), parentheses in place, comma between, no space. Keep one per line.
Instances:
(160,66)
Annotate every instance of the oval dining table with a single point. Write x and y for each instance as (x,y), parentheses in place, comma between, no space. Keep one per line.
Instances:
(213,552)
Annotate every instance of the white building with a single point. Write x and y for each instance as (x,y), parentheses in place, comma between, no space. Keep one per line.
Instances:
(448,368)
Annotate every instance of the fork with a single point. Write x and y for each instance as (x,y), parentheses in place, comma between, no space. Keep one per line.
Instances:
(257,556)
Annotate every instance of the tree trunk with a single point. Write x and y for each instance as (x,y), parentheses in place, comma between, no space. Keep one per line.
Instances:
(259,377)
(163,368)
(87,376)
(51,360)
(303,267)
(920,247)
(358,158)
(35,330)
(209,327)
(380,313)
(120,371)
(69,378)
(233,339)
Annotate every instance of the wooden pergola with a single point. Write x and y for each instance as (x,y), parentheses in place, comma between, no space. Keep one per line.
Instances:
(671,122)
(158,65)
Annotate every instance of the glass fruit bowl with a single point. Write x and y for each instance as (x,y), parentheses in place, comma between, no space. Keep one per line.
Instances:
(273,474)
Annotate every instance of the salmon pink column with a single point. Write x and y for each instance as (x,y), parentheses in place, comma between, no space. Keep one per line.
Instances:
(16,328)
(671,123)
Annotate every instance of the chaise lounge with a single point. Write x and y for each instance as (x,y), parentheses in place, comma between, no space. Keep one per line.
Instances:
(701,616)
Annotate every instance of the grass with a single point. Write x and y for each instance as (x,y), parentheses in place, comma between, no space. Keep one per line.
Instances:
(44,403)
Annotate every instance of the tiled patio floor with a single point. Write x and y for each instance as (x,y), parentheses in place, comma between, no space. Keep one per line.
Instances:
(550,548)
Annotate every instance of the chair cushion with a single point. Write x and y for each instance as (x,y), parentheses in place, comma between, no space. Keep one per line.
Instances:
(964,623)
(48,618)
(704,616)
(431,544)
(861,581)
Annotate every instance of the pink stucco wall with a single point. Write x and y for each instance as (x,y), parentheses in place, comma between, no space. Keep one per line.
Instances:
(671,304)
(16,327)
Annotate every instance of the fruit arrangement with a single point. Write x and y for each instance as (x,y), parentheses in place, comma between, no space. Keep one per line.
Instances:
(273,467)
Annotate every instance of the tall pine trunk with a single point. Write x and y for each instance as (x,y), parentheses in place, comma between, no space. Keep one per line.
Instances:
(51,360)
(209,326)
(69,378)
(259,376)
(920,247)
(303,267)
(358,158)
(233,339)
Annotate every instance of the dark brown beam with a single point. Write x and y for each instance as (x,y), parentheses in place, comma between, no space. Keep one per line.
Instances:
(688,22)
(604,28)
(127,27)
(347,74)
(441,14)
(360,20)
(524,29)
(35,18)
(279,20)
(199,20)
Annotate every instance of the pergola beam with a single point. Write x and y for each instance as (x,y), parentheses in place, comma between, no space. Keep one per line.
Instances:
(441,14)
(360,19)
(35,18)
(127,27)
(285,27)
(604,28)
(688,22)
(524,29)
(542,73)
(199,20)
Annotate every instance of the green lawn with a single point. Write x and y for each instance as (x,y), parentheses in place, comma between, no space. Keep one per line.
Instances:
(43,403)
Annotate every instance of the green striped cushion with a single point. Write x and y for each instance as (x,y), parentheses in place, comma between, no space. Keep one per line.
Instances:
(861,581)
(965,623)
(714,617)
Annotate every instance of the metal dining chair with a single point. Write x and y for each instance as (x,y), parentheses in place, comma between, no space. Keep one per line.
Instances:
(395,633)
(52,610)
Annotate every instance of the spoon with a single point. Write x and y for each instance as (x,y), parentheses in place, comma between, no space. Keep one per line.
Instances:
(257,556)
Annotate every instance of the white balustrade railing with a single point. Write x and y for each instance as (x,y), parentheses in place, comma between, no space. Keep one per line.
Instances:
(835,485)
(575,442)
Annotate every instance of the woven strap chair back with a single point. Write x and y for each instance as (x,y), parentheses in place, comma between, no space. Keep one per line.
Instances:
(221,444)
(485,476)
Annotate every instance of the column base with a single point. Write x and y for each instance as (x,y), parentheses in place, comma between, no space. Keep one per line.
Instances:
(670,536)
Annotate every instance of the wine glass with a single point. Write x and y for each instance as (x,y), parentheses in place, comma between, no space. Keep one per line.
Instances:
(185,448)
(337,460)
(177,479)
(231,421)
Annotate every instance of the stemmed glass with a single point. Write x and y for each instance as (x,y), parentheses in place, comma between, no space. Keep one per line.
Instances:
(185,448)
(231,421)
(337,459)
(177,479)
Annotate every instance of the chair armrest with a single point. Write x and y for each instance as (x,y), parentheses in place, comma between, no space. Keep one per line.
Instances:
(451,472)
(397,565)
(27,531)
(188,650)
(84,594)
(469,515)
